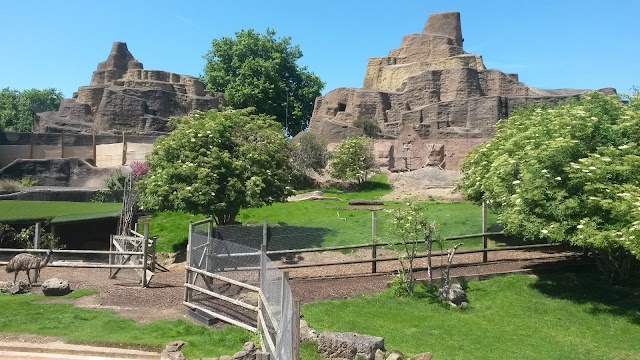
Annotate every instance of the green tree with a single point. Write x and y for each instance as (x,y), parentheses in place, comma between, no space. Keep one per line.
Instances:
(217,163)
(353,159)
(568,174)
(261,71)
(310,153)
(17,108)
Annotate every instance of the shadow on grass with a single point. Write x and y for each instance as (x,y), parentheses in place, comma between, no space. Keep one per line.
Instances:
(280,236)
(587,287)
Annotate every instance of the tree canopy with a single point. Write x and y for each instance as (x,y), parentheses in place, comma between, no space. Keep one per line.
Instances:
(261,71)
(17,108)
(568,173)
(216,163)
(353,159)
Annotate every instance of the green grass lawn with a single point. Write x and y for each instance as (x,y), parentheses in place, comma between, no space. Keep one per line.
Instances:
(322,223)
(57,211)
(28,314)
(558,316)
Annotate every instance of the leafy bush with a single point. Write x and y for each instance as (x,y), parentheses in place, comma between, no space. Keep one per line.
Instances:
(27,181)
(353,159)
(370,127)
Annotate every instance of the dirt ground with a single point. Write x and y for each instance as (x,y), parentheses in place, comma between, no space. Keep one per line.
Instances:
(163,298)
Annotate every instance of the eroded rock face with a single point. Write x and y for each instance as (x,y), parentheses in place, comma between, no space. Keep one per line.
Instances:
(427,94)
(122,96)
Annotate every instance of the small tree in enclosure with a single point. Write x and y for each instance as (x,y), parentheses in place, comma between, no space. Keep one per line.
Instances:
(569,173)
(216,163)
(310,153)
(412,226)
(353,159)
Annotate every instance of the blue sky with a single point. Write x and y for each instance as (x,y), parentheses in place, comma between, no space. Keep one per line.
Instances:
(586,44)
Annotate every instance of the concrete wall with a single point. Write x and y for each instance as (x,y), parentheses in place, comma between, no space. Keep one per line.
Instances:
(109,149)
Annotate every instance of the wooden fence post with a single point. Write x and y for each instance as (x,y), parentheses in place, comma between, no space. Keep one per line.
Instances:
(484,231)
(36,237)
(295,330)
(285,278)
(374,235)
(145,250)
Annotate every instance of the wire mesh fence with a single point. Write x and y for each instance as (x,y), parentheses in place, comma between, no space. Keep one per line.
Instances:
(230,277)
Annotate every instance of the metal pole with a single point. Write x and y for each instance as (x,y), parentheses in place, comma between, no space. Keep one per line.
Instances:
(145,248)
(484,231)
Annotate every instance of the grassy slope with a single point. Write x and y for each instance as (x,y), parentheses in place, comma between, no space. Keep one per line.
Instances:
(560,316)
(25,314)
(58,211)
(320,219)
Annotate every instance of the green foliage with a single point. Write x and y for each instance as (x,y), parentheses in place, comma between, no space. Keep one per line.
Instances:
(115,188)
(17,108)
(27,181)
(411,224)
(309,153)
(217,163)
(172,229)
(353,159)
(369,126)
(261,71)
(23,239)
(29,314)
(567,174)
(514,317)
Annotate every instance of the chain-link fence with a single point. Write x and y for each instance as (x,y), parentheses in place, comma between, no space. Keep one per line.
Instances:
(230,277)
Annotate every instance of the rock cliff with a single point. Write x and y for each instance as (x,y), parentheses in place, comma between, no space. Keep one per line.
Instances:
(122,96)
(431,100)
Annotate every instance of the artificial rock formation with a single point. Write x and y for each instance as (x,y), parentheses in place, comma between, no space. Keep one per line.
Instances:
(434,100)
(123,96)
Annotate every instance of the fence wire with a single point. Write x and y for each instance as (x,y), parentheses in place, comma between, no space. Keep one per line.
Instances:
(233,252)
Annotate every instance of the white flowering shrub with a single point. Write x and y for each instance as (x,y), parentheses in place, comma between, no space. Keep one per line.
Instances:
(216,163)
(569,173)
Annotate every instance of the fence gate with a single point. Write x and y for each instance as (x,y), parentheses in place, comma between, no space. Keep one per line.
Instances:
(132,252)
(230,277)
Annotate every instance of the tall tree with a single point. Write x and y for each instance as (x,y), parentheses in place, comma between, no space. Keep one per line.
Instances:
(570,174)
(261,71)
(216,163)
(17,108)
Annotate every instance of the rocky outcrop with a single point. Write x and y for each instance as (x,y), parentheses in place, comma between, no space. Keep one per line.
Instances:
(122,96)
(427,94)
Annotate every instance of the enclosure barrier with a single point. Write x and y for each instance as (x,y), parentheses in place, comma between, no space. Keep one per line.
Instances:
(237,283)
(127,252)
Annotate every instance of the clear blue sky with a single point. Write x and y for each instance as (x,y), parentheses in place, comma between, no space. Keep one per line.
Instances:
(585,44)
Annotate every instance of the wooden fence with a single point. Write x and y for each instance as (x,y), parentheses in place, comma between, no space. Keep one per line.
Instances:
(144,252)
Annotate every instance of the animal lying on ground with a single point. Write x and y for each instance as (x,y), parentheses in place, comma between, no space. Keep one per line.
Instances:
(25,262)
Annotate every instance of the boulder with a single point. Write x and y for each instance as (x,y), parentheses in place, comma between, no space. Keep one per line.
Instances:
(379,355)
(454,294)
(21,287)
(335,345)
(55,287)
(172,351)
(248,352)
(307,333)
(395,355)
